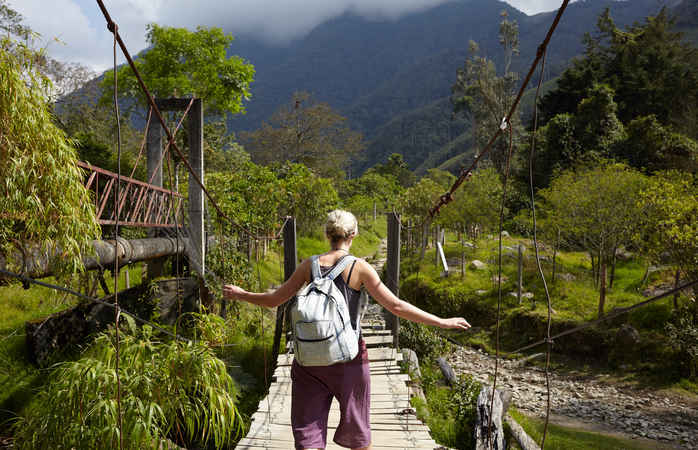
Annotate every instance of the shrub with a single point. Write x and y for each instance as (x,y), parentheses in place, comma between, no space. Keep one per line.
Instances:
(169,390)
(422,339)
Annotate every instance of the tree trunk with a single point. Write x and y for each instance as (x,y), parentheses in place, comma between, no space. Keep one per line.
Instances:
(557,243)
(462,254)
(602,287)
(593,268)
(677,278)
(487,438)
(613,268)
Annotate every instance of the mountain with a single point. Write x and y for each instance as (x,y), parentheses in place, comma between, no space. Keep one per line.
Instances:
(392,78)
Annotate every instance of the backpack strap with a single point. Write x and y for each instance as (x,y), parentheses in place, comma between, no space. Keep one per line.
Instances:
(315,267)
(340,266)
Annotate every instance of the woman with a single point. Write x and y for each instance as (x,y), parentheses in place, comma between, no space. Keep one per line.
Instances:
(314,387)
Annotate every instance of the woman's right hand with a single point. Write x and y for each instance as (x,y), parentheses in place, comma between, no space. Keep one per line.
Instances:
(230,291)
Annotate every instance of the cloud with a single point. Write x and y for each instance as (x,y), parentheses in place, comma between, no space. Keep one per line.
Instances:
(80,26)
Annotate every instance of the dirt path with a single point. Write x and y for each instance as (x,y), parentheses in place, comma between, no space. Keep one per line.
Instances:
(601,405)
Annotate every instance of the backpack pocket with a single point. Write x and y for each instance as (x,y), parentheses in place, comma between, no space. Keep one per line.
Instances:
(316,331)
(316,343)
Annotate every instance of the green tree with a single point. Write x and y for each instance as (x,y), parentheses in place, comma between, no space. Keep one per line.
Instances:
(307,132)
(42,198)
(235,191)
(656,147)
(398,168)
(307,197)
(670,221)
(595,209)
(649,67)
(180,63)
(487,97)
(475,204)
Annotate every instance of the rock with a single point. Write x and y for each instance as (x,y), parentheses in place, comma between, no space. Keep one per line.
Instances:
(627,337)
(468,245)
(477,264)
(69,329)
(481,292)
(495,278)
(624,254)
(566,277)
(410,357)
(505,234)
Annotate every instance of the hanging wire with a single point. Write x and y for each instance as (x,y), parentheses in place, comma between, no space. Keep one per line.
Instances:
(169,142)
(174,215)
(535,245)
(143,141)
(117,192)
(499,275)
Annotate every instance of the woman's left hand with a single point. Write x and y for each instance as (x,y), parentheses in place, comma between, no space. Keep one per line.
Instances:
(455,322)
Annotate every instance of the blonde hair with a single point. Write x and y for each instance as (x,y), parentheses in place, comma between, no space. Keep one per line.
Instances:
(340,225)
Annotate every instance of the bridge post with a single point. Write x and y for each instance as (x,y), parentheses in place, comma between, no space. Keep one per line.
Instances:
(154,154)
(290,262)
(393,271)
(195,123)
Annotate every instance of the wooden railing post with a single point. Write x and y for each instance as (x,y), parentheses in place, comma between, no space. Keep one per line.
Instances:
(393,271)
(290,262)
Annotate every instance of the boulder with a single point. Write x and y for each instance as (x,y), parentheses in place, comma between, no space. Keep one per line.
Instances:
(72,328)
(477,264)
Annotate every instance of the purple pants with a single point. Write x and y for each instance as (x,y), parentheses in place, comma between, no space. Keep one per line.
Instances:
(311,397)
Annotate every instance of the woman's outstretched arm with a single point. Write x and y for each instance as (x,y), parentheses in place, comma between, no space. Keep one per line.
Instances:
(275,298)
(401,308)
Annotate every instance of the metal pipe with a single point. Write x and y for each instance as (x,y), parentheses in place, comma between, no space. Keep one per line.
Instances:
(39,264)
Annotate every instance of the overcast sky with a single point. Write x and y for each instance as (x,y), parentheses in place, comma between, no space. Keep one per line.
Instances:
(74,30)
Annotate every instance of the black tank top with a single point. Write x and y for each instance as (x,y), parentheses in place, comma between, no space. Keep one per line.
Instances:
(352,296)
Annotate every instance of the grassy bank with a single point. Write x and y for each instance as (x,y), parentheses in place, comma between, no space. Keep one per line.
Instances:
(575,300)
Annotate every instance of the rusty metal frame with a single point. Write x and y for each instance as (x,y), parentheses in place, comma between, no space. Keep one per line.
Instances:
(139,205)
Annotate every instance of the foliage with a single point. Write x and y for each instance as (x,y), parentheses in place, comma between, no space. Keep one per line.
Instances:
(308,132)
(595,207)
(475,203)
(361,193)
(669,227)
(235,190)
(487,97)
(416,201)
(422,339)
(682,333)
(307,197)
(181,63)
(396,167)
(174,390)
(450,412)
(650,69)
(42,198)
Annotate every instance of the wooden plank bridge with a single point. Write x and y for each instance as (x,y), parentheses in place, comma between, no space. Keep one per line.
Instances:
(393,422)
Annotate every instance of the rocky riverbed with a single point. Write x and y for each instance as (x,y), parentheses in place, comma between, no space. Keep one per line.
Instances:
(641,413)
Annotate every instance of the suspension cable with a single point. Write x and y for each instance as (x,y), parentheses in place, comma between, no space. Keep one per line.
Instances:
(499,276)
(535,245)
(117,202)
(113,28)
(448,196)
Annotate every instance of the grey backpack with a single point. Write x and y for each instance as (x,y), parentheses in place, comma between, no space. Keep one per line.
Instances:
(322,331)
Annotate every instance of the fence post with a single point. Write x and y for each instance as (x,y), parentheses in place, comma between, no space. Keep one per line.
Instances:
(393,271)
(290,261)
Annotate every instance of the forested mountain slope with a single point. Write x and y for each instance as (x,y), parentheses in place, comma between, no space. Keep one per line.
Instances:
(387,76)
